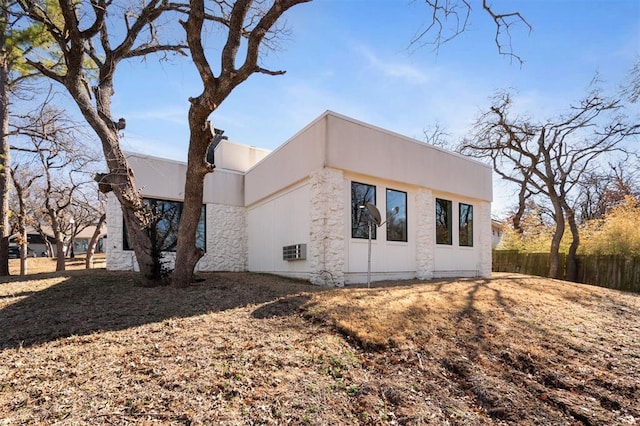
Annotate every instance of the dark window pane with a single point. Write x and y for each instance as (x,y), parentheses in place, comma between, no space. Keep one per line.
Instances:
(126,238)
(443,221)
(396,222)
(164,231)
(201,232)
(361,193)
(466,225)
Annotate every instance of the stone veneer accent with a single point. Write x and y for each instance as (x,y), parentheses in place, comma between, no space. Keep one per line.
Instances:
(227,239)
(326,251)
(484,267)
(226,228)
(117,259)
(425,234)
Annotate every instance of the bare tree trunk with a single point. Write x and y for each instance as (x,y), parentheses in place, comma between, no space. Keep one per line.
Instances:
(233,72)
(49,252)
(572,260)
(77,42)
(187,254)
(142,246)
(60,255)
(522,202)
(24,252)
(5,158)
(137,217)
(21,226)
(517,217)
(554,252)
(91,248)
(71,249)
(120,179)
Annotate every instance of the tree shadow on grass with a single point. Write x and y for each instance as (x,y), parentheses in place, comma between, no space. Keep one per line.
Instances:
(510,344)
(281,308)
(51,306)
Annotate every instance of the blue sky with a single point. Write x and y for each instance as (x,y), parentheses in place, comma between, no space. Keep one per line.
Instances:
(354,57)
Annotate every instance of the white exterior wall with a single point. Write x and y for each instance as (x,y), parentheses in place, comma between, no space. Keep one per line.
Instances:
(164,179)
(301,194)
(225,222)
(310,213)
(290,163)
(234,156)
(484,233)
(374,156)
(370,151)
(389,259)
(226,241)
(461,261)
(281,220)
(419,257)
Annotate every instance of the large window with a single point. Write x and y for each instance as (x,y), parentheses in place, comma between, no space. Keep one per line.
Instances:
(362,193)
(396,221)
(164,231)
(443,221)
(466,225)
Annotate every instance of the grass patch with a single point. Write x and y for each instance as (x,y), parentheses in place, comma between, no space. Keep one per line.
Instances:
(514,348)
(41,265)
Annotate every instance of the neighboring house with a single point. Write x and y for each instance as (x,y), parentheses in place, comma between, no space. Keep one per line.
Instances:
(496,233)
(297,210)
(37,244)
(81,241)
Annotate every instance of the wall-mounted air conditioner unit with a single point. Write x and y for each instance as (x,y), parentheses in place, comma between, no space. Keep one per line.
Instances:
(294,252)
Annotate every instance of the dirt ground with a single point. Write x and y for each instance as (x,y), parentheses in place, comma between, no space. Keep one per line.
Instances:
(88,347)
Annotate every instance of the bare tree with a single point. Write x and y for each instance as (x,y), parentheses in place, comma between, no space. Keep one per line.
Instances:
(548,160)
(23,179)
(534,232)
(450,18)
(601,190)
(246,21)
(16,39)
(93,242)
(437,135)
(6,83)
(50,143)
(93,38)
(631,90)
(88,210)
(5,159)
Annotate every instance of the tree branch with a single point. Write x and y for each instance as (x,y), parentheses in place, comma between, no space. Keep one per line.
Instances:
(459,11)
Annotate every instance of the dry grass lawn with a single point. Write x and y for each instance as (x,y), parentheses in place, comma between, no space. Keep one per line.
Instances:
(39,265)
(88,347)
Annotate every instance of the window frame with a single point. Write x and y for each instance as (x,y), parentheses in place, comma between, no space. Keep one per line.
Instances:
(449,221)
(402,212)
(152,203)
(465,240)
(359,226)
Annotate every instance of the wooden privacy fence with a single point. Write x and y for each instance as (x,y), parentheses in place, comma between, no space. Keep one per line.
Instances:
(613,271)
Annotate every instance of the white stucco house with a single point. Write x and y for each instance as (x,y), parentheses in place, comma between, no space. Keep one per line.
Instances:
(297,211)
(497,229)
